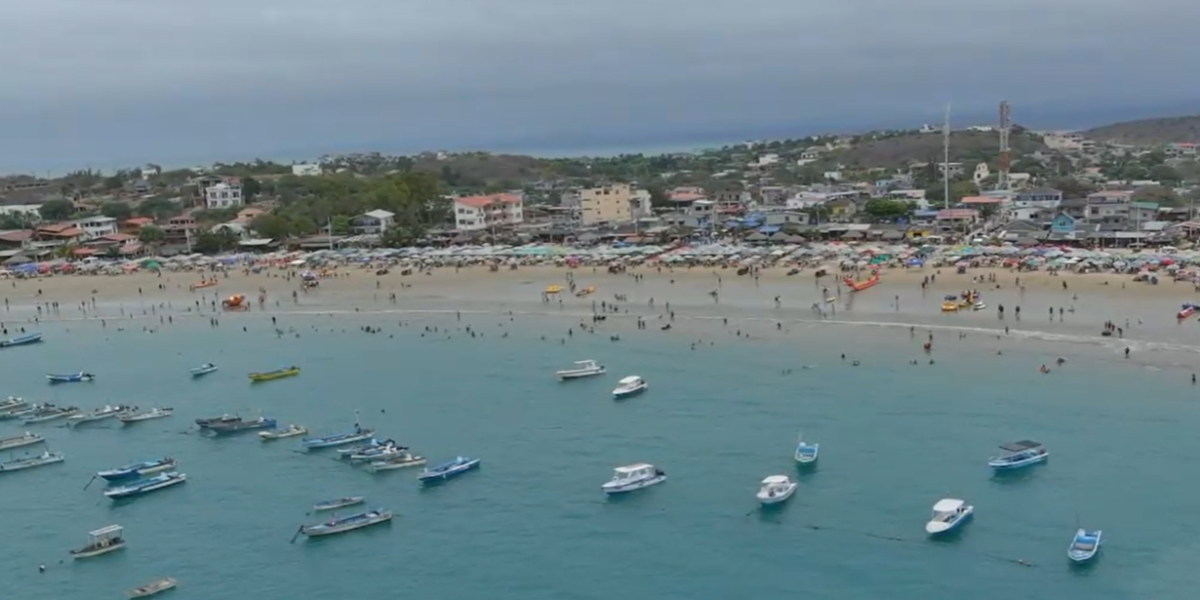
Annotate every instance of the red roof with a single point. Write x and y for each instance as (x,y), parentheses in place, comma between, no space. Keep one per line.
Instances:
(60,230)
(16,236)
(117,237)
(482,201)
(980,200)
(139,221)
(958,213)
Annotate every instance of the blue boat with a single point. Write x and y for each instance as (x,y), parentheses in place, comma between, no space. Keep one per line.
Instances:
(203,370)
(71,377)
(145,486)
(31,338)
(240,425)
(806,453)
(138,470)
(1018,455)
(448,470)
(1084,546)
(340,439)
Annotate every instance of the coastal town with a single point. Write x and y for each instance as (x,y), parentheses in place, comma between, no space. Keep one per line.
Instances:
(987,184)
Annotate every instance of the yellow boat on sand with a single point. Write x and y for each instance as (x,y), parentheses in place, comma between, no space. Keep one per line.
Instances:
(554,289)
(586,291)
(273,375)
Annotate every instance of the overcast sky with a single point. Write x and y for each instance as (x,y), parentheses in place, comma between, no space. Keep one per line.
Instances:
(122,82)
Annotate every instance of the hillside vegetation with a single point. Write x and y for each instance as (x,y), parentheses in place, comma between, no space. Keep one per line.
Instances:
(965,146)
(1149,132)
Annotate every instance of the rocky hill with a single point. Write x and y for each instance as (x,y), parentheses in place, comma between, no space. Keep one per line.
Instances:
(1149,132)
(965,146)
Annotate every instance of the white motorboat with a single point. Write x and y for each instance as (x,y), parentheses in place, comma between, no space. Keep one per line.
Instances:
(154,413)
(12,403)
(776,489)
(278,434)
(948,515)
(100,414)
(101,541)
(20,441)
(629,386)
(402,460)
(633,477)
(583,368)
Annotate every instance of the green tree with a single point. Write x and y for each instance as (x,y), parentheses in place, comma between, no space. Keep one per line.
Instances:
(117,210)
(1071,187)
(1164,174)
(884,209)
(340,225)
(114,183)
(1163,195)
(272,226)
(251,188)
(158,208)
(151,234)
(57,210)
(658,196)
(207,242)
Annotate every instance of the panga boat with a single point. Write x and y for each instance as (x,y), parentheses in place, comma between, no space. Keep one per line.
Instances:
(71,377)
(629,386)
(398,461)
(583,368)
(448,470)
(776,489)
(948,515)
(12,403)
(101,541)
(151,589)
(338,503)
(1186,311)
(383,451)
(203,370)
(146,415)
(633,477)
(805,452)
(1019,454)
(291,431)
(50,413)
(31,338)
(340,439)
(1085,545)
(950,304)
(145,486)
(41,460)
(333,526)
(357,448)
(100,414)
(138,470)
(210,421)
(242,425)
(20,441)
(273,375)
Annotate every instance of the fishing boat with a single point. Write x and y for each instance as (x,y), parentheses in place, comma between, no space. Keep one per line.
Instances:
(208,422)
(242,425)
(100,414)
(202,370)
(21,412)
(101,541)
(70,377)
(145,486)
(146,415)
(278,434)
(345,453)
(151,589)
(345,524)
(12,403)
(41,460)
(1019,454)
(273,375)
(138,470)
(403,460)
(338,503)
(1084,546)
(583,368)
(633,477)
(340,439)
(1186,311)
(629,386)
(948,515)
(51,413)
(387,449)
(20,441)
(806,453)
(950,303)
(448,470)
(776,489)
(23,340)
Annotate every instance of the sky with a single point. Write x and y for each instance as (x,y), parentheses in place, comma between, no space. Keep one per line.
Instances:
(110,83)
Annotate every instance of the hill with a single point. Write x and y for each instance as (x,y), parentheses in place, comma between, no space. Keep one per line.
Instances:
(965,146)
(1149,132)
(478,169)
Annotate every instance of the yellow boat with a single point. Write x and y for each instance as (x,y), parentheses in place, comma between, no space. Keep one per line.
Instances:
(585,291)
(273,375)
(949,306)
(554,289)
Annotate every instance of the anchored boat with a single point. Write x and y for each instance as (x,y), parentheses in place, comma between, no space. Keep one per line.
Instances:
(629,386)
(805,452)
(151,589)
(71,377)
(776,489)
(203,370)
(101,541)
(948,514)
(1084,545)
(385,450)
(633,477)
(154,413)
(583,368)
(145,486)
(340,439)
(338,503)
(273,375)
(41,460)
(12,403)
(241,425)
(50,413)
(277,434)
(402,460)
(138,470)
(23,340)
(448,470)
(20,441)
(1019,454)
(100,414)
(345,524)
(209,422)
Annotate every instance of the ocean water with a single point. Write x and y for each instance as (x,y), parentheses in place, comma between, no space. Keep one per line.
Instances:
(532,522)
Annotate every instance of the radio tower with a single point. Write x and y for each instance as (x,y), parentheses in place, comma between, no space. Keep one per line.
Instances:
(1005,127)
(946,159)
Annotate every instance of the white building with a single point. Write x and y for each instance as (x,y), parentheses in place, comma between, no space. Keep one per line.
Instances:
(306,170)
(374,222)
(477,213)
(227,194)
(94,227)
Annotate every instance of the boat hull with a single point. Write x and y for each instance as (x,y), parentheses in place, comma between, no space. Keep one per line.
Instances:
(21,442)
(335,441)
(391,465)
(935,528)
(241,426)
(766,499)
(346,525)
(32,338)
(621,393)
(273,375)
(1000,464)
(807,457)
(267,436)
(633,486)
(336,504)
(94,552)
(1079,552)
(147,416)
(440,474)
(133,491)
(24,464)
(152,589)
(569,375)
(202,371)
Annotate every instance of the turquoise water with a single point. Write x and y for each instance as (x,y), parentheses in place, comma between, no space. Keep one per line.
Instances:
(532,523)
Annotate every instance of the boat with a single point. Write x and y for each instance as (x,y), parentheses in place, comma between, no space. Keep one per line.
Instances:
(553,289)
(340,439)
(51,413)
(345,524)
(384,451)
(278,434)
(1019,454)
(629,386)
(858,286)
(100,414)
(242,425)
(402,460)
(20,441)
(21,412)
(776,489)
(70,377)
(154,413)
(1188,309)
(448,470)
(950,304)
(1084,546)
(145,486)
(273,375)
(206,423)
(101,541)
(138,470)
(12,403)
(633,477)
(23,340)
(41,460)
(338,503)
(151,589)
(948,515)
(978,306)
(586,291)
(202,370)
(583,368)
(806,453)
(355,449)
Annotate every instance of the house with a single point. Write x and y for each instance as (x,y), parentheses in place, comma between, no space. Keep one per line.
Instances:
(59,233)
(982,172)
(178,230)
(841,209)
(957,218)
(149,171)
(1041,198)
(94,227)
(135,225)
(607,204)
(1143,212)
(786,218)
(1109,206)
(306,170)
(373,222)
(955,169)
(249,213)
(477,213)
(15,238)
(240,230)
(1062,224)
(226,194)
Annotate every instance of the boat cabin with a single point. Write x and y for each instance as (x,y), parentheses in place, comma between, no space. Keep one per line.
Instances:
(634,472)
(947,509)
(631,381)
(1023,447)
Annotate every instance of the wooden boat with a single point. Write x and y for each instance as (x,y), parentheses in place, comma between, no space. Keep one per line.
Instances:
(858,286)
(12,403)
(50,413)
(1084,545)
(100,414)
(583,368)
(138,470)
(101,541)
(206,423)
(151,589)
(1018,455)
(273,375)
(242,425)
(23,340)
(41,460)
(346,524)
(805,452)
(278,434)
(345,453)
(383,451)
(776,489)
(203,370)
(340,439)
(338,503)
(20,441)
(448,470)
(948,514)
(145,486)
(70,377)
(154,413)
(403,460)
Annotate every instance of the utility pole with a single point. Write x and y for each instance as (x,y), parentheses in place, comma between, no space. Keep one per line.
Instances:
(946,159)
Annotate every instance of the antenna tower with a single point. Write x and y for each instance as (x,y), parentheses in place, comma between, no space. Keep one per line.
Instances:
(946,158)
(1002,183)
